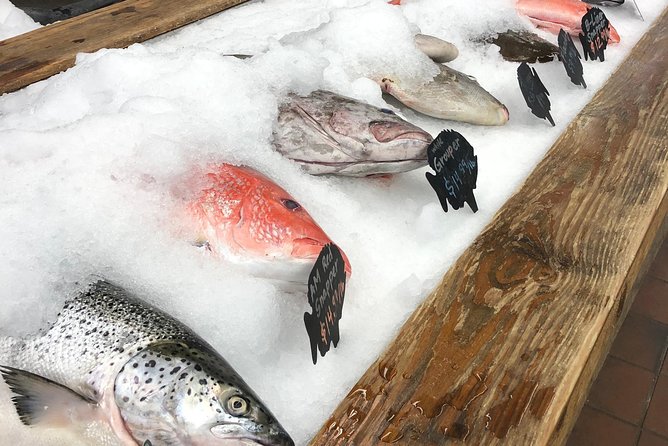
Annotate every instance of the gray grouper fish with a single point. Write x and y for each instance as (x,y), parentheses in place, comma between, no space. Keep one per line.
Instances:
(110,359)
(327,133)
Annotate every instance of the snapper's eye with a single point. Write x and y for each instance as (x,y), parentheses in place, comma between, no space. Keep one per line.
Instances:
(290,204)
(388,111)
(237,406)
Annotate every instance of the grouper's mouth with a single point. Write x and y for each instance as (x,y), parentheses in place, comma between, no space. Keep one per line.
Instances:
(352,163)
(259,441)
(254,441)
(387,131)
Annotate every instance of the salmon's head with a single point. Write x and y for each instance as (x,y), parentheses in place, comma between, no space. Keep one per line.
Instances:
(175,394)
(327,133)
(247,218)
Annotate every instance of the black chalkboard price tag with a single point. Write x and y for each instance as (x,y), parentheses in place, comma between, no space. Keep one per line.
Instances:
(595,34)
(451,156)
(326,290)
(571,58)
(534,92)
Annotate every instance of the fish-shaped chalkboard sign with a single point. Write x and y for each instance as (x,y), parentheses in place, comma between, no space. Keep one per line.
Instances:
(326,291)
(595,34)
(534,92)
(571,58)
(456,166)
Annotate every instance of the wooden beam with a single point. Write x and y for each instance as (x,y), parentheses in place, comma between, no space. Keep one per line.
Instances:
(505,349)
(44,52)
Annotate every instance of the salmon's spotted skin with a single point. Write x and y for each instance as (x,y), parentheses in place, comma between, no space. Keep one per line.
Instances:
(110,358)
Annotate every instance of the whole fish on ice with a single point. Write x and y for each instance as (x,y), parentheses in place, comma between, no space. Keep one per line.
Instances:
(552,15)
(523,46)
(449,95)
(327,133)
(111,360)
(243,216)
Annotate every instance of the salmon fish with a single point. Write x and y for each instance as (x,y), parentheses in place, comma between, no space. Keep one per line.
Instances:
(327,133)
(451,95)
(111,359)
(241,215)
(552,15)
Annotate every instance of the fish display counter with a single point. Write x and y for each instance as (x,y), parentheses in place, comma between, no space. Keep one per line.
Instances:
(341,223)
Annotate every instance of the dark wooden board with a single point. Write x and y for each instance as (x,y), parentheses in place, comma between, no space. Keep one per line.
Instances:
(505,349)
(44,52)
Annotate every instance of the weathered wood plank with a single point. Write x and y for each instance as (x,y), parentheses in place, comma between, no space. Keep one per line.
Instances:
(49,50)
(506,347)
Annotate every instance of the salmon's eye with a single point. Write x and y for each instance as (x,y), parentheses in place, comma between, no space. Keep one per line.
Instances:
(290,204)
(237,406)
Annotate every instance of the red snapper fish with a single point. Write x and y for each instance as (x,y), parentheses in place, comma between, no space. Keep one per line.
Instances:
(552,15)
(243,216)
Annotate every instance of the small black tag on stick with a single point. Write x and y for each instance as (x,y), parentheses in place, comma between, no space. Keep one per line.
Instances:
(326,290)
(451,156)
(595,34)
(571,58)
(534,92)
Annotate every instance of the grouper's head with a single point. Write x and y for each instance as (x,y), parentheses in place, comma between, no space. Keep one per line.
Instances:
(331,134)
(174,395)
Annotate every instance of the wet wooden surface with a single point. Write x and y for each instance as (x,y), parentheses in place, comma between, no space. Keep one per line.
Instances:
(49,50)
(505,349)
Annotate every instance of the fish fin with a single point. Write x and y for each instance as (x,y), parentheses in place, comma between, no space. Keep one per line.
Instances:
(41,401)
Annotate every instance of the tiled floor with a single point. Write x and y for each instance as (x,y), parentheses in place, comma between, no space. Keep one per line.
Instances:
(628,403)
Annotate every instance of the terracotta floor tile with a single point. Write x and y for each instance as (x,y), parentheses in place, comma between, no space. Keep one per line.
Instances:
(622,389)
(659,268)
(641,341)
(657,416)
(647,438)
(652,300)
(594,428)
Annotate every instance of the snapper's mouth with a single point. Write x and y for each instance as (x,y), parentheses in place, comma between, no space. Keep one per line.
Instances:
(309,249)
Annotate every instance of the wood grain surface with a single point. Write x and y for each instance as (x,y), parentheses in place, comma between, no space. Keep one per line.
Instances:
(44,52)
(505,349)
